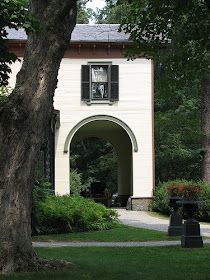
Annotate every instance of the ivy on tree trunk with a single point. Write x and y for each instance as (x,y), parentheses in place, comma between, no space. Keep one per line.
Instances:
(24,121)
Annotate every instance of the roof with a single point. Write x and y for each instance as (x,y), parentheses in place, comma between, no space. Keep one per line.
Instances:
(84,33)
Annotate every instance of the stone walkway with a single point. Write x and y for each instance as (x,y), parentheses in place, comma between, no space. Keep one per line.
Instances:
(144,219)
(136,219)
(110,244)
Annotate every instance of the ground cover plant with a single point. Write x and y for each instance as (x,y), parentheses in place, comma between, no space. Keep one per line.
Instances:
(118,234)
(154,263)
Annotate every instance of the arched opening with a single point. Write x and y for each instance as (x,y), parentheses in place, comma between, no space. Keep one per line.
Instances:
(121,141)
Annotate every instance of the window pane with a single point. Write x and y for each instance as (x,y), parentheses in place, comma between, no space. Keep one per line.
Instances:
(99,90)
(99,74)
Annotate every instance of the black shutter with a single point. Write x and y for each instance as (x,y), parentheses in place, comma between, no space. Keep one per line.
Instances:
(85,83)
(114,96)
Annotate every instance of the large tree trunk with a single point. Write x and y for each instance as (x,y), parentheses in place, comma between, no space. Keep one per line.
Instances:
(206,128)
(24,119)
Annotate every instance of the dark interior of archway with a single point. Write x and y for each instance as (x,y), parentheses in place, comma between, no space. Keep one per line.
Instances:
(92,160)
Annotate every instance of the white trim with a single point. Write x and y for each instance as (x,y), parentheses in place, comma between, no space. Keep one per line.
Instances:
(103,118)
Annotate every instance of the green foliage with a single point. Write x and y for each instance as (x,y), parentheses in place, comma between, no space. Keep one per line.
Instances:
(96,160)
(4,93)
(178,133)
(84,14)
(61,214)
(182,24)
(161,197)
(178,145)
(76,186)
(204,209)
(175,34)
(111,13)
(160,201)
(13,14)
(41,190)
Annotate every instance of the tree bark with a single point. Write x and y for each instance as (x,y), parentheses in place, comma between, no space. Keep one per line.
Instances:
(206,128)
(24,122)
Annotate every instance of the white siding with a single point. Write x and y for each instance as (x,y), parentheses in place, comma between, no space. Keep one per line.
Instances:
(134,108)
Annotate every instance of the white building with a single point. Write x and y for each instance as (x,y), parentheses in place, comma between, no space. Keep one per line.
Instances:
(102,94)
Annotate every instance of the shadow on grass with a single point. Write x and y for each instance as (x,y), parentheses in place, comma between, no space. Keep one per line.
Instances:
(126,263)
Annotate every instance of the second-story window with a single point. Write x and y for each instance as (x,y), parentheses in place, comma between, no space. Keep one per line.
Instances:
(100,82)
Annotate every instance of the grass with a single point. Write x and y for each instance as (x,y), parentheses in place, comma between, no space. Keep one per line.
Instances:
(158,215)
(120,233)
(171,263)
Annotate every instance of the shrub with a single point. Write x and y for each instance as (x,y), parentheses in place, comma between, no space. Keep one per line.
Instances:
(61,214)
(41,190)
(76,186)
(160,202)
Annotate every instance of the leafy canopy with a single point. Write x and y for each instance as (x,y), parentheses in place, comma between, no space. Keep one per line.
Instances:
(13,14)
(111,13)
(182,24)
(84,14)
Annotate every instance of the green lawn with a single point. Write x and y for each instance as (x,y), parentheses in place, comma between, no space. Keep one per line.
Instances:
(167,263)
(158,215)
(121,233)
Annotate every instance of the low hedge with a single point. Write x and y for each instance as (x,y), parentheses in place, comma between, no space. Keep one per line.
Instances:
(62,214)
(160,201)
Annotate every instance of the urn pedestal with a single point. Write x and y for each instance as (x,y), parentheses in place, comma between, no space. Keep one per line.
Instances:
(175,224)
(191,237)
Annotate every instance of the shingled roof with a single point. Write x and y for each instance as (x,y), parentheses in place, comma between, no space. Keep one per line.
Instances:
(84,33)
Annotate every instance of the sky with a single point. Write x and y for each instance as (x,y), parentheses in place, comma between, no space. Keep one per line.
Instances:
(95,4)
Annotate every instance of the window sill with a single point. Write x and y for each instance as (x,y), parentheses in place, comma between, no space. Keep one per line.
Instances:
(100,102)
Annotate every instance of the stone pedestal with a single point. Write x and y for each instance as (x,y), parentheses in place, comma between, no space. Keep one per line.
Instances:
(175,225)
(191,237)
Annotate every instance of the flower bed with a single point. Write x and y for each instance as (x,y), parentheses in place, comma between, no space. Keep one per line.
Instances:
(185,190)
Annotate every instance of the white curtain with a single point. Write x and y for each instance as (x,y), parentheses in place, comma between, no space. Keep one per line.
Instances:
(99,74)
